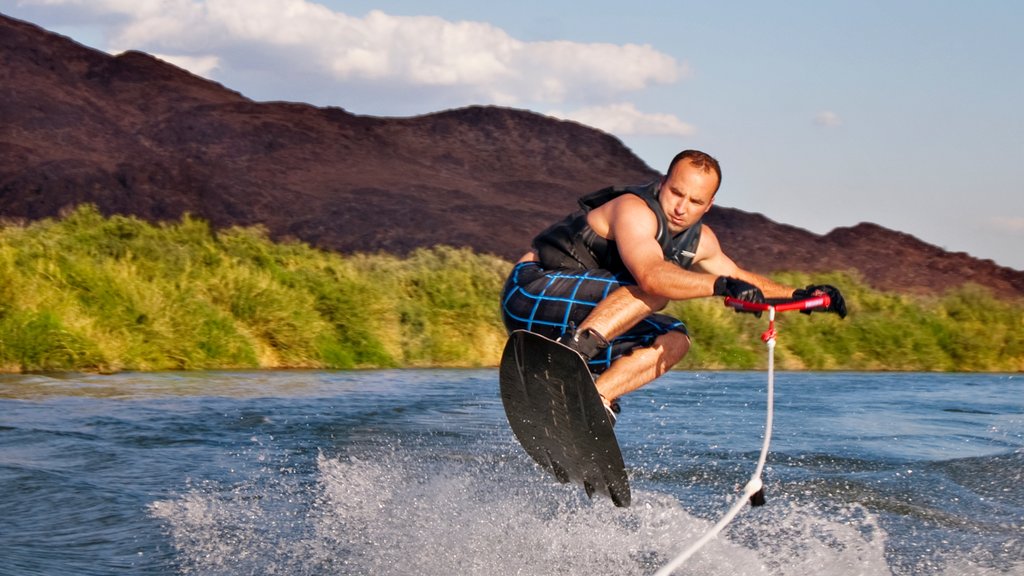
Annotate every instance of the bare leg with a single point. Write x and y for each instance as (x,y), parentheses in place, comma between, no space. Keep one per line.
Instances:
(643,365)
(616,314)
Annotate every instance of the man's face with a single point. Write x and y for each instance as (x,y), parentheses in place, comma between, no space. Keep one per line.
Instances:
(686,195)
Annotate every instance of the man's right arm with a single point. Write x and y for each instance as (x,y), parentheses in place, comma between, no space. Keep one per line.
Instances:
(633,227)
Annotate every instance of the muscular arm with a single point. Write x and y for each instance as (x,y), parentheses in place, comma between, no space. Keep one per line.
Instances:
(629,222)
(712,260)
(633,227)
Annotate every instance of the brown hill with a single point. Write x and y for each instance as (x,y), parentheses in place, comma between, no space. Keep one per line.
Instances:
(135,135)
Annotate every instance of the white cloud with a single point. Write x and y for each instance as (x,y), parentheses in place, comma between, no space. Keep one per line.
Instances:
(827,119)
(624,119)
(475,61)
(199,65)
(1010,224)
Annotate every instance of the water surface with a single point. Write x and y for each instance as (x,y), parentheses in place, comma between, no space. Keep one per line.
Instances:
(416,472)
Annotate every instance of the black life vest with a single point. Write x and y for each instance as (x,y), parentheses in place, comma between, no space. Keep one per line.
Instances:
(572,244)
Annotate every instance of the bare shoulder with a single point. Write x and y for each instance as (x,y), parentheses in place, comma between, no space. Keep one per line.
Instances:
(625,216)
(708,245)
(628,203)
(710,257)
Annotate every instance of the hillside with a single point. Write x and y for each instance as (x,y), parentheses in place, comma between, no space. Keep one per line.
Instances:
(135,135)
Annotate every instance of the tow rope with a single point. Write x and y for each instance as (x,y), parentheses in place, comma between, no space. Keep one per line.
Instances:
(754,489)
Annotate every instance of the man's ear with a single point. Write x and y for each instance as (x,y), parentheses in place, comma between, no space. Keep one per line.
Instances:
(710,203)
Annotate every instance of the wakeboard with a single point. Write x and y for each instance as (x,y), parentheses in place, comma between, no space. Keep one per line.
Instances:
(556,413)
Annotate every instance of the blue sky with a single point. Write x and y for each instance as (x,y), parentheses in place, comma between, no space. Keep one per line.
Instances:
(908,114)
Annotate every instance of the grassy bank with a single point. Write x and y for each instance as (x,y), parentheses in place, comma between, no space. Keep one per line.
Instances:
(106,294)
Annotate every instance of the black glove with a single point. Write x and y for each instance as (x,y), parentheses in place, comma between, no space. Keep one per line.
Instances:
(836,302)
(738,289)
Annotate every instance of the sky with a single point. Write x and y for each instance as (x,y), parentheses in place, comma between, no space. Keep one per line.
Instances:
(908,114)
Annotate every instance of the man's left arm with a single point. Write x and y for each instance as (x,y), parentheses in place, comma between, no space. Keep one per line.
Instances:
(711,259)
(722,265)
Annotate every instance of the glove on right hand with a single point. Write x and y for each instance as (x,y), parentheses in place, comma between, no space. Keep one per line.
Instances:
(740,290)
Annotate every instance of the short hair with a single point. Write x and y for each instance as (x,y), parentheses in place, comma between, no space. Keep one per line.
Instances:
(701,160)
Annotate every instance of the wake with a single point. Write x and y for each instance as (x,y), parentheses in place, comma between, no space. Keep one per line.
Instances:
(401,512)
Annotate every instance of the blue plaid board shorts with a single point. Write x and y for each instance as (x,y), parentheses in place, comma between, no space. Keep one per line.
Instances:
(549,301)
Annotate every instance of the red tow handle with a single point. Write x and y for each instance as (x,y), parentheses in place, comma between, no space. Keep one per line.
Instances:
(771,307)
(807,304)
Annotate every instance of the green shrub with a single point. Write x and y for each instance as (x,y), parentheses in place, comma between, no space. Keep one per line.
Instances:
(89,292)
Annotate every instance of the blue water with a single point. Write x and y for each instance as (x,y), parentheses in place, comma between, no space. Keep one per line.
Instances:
(416,472)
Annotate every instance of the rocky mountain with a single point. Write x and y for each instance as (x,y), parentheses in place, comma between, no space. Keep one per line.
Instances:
(136,135)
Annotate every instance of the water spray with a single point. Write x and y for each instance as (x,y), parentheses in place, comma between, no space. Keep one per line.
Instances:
(753,491)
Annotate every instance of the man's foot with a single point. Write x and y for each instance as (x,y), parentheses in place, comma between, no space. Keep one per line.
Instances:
(587,342)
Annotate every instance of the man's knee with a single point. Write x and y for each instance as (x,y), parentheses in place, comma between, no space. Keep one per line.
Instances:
(675,345)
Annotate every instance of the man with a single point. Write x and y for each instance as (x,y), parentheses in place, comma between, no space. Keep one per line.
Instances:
(596,279)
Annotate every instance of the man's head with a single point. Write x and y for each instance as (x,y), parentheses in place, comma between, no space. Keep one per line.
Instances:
(689,188)
(700,160)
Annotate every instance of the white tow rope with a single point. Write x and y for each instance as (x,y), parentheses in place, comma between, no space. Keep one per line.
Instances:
(754,485)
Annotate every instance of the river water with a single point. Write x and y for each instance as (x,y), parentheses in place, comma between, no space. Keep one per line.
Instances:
(416,472)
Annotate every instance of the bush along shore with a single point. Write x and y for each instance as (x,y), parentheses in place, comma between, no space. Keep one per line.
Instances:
(94,293)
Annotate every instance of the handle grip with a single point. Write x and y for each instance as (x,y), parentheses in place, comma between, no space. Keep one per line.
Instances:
(806,304)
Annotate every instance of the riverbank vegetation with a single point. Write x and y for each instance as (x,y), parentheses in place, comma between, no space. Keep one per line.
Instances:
(92,293)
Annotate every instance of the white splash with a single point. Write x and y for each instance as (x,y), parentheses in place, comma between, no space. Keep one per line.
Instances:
(402,512)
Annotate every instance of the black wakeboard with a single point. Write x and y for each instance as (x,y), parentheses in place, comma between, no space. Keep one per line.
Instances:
(557,415)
